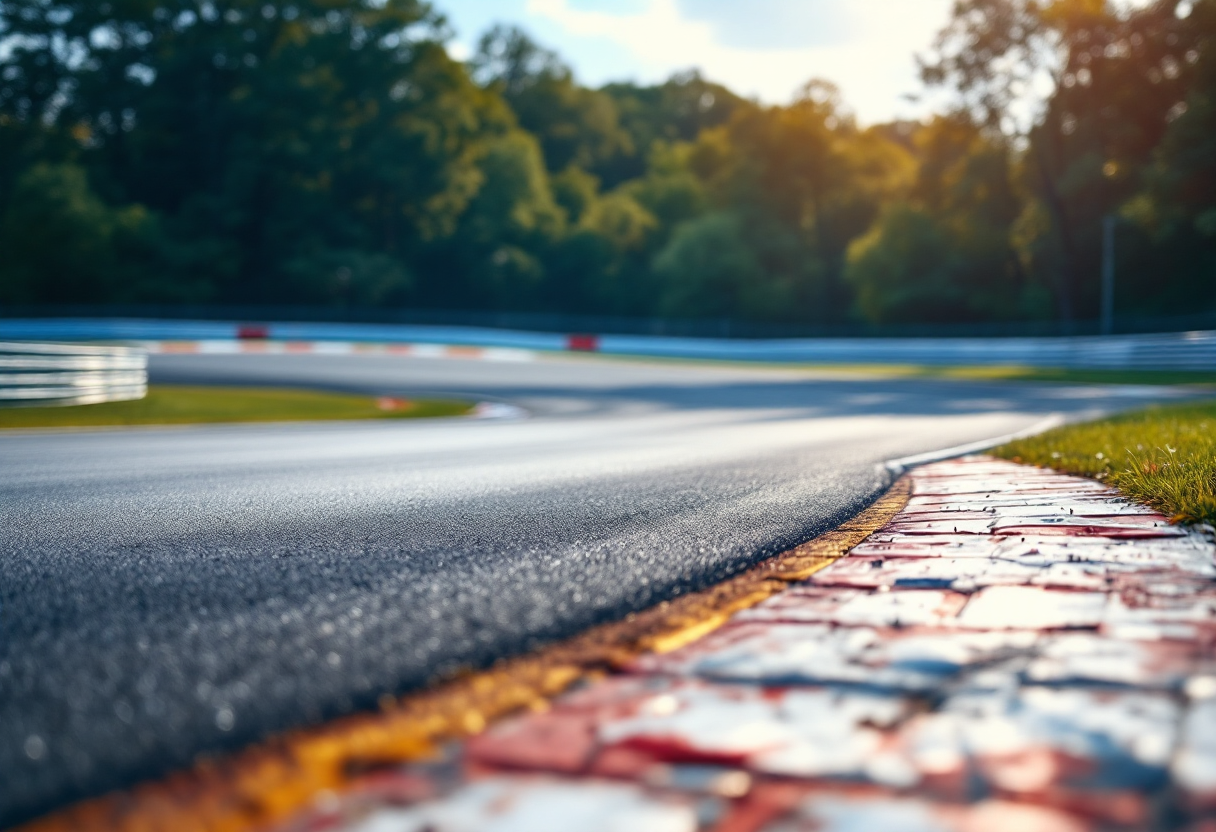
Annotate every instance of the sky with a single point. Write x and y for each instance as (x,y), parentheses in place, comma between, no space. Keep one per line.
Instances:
(765,49)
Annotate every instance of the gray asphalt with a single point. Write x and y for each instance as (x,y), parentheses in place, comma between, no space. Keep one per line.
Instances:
(168,592)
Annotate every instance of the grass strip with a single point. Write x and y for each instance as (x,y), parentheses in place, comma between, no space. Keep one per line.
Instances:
(1061,374)
(968,372)
(1164,457)
(1009,372)
(182,405)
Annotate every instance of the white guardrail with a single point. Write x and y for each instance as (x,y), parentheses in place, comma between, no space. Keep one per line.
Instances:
(70,374)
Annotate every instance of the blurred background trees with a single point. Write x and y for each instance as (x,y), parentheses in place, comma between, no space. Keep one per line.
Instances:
(333,153)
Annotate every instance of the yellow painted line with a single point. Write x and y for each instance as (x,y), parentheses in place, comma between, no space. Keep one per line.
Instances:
(269,782)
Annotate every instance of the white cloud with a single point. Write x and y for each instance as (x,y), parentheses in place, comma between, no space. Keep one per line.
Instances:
(871,61)
(762,24)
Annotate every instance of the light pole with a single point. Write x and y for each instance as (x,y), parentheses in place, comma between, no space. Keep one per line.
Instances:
(1108,274)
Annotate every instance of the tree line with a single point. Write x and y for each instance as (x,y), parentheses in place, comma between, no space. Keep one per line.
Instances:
(334,153)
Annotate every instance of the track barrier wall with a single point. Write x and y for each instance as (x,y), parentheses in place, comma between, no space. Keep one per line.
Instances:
(1195,351)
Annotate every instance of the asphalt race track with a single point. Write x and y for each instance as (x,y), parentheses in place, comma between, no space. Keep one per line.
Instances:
(166,592)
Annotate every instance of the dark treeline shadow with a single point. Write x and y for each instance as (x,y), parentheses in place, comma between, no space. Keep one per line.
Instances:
(304,153)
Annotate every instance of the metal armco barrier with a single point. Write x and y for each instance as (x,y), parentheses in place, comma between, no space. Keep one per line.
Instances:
(70,374)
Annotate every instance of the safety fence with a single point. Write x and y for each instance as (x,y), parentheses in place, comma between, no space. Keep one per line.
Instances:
(553,323)
(35,373)
(1194,351)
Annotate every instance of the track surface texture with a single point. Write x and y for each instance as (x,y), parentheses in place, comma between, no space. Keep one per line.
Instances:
(1013,650)
(171,592)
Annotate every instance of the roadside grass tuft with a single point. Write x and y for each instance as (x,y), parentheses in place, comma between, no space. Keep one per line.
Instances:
(182,405)
(1164,457)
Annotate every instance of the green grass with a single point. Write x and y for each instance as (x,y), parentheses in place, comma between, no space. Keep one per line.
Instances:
(1017,373)
(1164,457)
(173,405)
(967,372)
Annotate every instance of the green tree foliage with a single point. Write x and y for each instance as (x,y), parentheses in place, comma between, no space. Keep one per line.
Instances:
(333,153)
(508,224)
(947,253)
(274,139)
(576,126)
(678,110)
(67,246)
(804,182)
(1176,210)
(726,265)
(906,268)
(1116,75)
(708,269)
(61,245)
